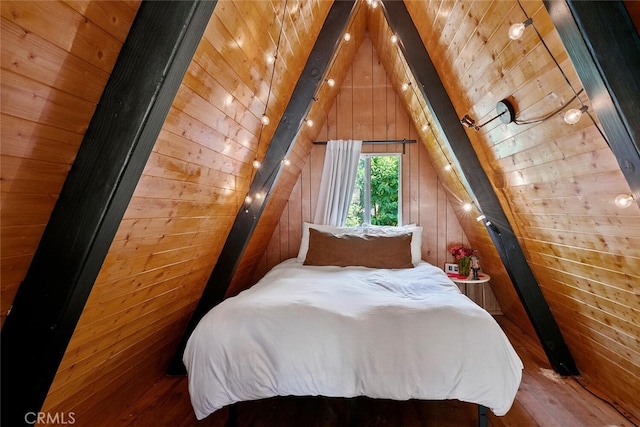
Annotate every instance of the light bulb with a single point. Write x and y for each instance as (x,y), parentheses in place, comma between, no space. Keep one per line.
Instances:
(404,86)
(257,164)
(347,37)
(286,161)
(331,82)
(309,122)
(574,115)
(624,200)
(448,167)
(394,39)
(248,200)
(271,59)
(425,127)
(467,207)
(373,3)
(265,120)
(516,30)
(259,196)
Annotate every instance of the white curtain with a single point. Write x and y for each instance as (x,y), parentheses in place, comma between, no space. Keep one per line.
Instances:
(337,182)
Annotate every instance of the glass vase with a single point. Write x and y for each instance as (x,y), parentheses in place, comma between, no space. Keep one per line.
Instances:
(464,265)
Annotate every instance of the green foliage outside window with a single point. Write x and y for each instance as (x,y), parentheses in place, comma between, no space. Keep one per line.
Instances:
(378,190)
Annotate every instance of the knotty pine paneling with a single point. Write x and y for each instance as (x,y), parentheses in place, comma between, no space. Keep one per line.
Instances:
(556,182)
(184,204)
(286,182)
(56,60)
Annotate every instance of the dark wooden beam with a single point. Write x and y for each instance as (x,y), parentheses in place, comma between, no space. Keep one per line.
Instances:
(498,226)
(284,136)
(115,149)
(604,48)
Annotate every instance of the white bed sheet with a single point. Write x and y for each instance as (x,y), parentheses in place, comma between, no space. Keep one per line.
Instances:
(350,331)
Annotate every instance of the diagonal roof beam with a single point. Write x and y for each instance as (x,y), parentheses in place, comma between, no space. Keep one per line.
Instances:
(606,56)
(283,138)
(114,151)
(497,223)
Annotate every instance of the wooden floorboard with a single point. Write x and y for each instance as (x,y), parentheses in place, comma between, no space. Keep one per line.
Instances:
(544,399)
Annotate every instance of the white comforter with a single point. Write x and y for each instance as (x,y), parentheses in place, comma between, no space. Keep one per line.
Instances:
(336,331)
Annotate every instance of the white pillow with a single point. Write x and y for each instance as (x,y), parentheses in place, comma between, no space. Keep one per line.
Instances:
(416,237)
(304,243)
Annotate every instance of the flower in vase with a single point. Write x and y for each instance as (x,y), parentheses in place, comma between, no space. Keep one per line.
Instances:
(461,251)
(462,254)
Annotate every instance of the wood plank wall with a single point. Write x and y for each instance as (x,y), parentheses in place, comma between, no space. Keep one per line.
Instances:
(556,181)
(184,204)
(52,78)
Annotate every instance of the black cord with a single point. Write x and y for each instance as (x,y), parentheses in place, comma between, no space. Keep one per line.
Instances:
(549,51)
(566,79)
(553,113)
(599,130)
(603,400)
(273,72)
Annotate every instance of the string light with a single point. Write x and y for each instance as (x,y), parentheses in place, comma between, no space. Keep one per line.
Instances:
(405,86)
(516,30)
(468,206)
(569,115)
(624,200)
(261,195)
(574,115)
(271,59)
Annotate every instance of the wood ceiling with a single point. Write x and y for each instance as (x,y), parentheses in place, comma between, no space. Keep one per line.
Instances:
(555,182)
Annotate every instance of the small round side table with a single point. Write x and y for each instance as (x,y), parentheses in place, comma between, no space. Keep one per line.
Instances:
(482,279)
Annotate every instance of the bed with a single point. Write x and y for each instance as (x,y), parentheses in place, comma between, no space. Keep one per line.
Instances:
(308,329)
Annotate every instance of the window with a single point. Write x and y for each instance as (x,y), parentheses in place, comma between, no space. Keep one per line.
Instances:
(376,196)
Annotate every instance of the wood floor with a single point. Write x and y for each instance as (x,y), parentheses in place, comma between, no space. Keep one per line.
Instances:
(544,399)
